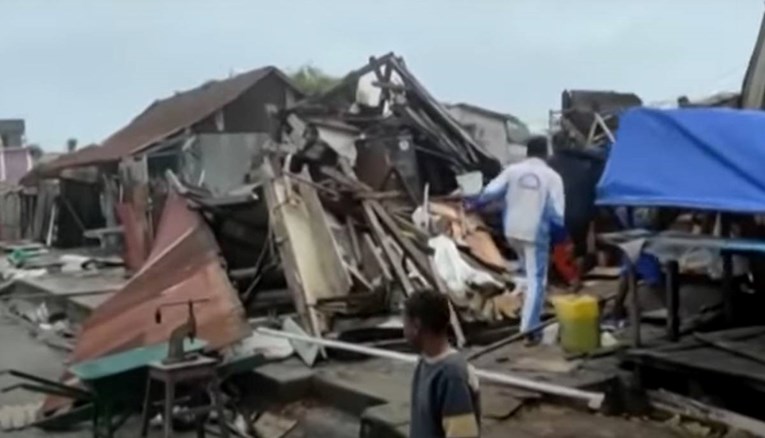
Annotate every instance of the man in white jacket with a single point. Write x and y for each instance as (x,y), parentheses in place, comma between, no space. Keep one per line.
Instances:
(533,212)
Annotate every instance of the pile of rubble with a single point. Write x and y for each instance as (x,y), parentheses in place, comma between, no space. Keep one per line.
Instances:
(354,203)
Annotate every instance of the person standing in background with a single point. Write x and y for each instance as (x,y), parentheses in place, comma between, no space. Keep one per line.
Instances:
(533,212)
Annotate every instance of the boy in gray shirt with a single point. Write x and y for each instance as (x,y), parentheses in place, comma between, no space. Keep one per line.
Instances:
(445,399)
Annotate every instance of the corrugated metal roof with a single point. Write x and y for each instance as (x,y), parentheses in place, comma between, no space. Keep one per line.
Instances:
(182,265)
(166,117)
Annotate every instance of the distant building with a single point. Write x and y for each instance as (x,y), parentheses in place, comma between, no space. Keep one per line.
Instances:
(12,133)
(502,134)
(15,159)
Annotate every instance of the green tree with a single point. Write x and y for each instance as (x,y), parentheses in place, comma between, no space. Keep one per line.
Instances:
(312,80)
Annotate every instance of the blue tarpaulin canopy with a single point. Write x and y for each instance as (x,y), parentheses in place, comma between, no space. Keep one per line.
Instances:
(708,159)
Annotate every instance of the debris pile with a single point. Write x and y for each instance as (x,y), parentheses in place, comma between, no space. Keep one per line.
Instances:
(589,118)
(364,197)
(241,206)
(353,204)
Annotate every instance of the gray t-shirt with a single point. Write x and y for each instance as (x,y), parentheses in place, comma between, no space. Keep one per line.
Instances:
(445,398)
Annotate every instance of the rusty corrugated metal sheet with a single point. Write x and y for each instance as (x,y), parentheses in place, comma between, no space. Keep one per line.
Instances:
(134,236)
(183,264)
(164,118)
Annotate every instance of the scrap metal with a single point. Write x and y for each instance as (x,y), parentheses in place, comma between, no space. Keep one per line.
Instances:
(402,129)
(183,265)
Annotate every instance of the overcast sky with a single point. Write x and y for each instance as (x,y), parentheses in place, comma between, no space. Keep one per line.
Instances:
(78,68)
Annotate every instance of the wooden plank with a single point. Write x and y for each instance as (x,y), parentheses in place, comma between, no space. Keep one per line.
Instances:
(135,183)
(732,348)
(312,263)
(634,307)
(373,209)
(354,240)
(395,262)
(286,252)
(370,253)
(418,258)
(677,404)
(672,290)
(422,262)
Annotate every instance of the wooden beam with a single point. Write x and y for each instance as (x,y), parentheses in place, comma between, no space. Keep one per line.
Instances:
(395,263)
(683,406)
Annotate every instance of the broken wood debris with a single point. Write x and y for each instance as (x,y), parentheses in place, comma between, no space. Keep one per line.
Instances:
(327,224)
(687,407)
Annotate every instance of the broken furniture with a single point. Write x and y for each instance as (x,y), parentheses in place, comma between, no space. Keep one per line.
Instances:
(590,117)
(668,247)
(201,374)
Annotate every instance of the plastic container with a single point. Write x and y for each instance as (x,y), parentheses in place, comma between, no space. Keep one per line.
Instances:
(578,316)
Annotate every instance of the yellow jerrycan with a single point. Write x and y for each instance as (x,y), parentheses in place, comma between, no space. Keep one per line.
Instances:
(579,321)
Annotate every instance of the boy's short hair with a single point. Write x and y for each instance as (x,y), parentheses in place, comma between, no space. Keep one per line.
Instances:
(431,308)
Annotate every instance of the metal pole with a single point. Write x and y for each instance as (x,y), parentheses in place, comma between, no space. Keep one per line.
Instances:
(594,399)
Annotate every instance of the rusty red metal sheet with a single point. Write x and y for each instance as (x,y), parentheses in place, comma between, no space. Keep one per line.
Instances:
(134,233)
(164,118)
(183,264)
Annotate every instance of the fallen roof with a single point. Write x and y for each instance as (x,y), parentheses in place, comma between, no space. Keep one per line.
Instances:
(166,117)
(182,265)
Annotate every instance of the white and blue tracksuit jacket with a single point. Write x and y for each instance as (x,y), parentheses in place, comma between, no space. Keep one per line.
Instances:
(533,212)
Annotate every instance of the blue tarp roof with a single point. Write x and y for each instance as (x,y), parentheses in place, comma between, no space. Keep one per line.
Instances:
(708,159)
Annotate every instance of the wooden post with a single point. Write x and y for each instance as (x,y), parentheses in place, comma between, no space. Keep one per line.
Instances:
(673,300)
(729,291)
(634,306)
